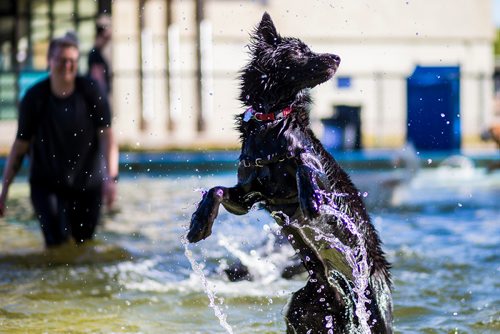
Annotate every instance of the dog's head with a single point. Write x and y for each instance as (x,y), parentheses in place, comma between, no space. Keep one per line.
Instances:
(280,66)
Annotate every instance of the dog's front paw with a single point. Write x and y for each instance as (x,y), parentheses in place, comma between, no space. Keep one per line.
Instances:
(203,218)
(200,228)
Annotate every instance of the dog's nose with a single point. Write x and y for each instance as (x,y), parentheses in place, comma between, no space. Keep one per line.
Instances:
(336,59)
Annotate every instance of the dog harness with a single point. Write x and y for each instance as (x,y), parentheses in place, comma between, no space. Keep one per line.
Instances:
(247,161)
(250,113)
(260,162)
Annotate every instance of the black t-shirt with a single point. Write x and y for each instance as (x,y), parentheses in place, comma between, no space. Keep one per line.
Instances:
(96,57)
(64,149)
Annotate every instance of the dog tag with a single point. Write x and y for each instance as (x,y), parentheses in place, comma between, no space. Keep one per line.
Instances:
(248,115)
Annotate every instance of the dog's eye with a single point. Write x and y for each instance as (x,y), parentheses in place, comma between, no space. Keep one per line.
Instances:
(298,52)
(301,52)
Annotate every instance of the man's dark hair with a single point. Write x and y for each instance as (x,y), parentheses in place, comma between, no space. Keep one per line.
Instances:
(68,40)
(101,29)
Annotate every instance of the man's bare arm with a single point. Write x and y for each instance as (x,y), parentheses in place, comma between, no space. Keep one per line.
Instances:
(14,162)
(110,154)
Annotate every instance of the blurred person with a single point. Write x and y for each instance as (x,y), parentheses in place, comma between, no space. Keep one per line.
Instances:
(492,133)
(98,66)
(65,127)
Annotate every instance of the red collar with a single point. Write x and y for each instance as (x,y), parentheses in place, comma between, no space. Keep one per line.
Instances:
(250,113)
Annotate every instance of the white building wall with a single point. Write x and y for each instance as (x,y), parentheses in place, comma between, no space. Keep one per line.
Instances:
(380,43)
(154,62)
(126,86)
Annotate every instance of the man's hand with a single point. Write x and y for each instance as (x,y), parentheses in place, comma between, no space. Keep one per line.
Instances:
(3,200)
(109,192)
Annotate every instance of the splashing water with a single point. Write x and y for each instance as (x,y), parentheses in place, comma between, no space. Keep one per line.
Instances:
(265,272)
(266,261)
(198,269)
(359,264)
(356,257)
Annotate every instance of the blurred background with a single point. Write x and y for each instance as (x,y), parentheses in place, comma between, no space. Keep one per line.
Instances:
(412,71)
(418,85)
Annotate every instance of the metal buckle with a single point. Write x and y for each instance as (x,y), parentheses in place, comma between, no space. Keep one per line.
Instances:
(258,162)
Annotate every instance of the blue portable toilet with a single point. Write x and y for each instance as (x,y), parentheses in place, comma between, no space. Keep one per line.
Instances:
(433,108)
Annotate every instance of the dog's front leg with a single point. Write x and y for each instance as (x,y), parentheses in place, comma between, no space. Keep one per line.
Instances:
(233,199)
(310,182)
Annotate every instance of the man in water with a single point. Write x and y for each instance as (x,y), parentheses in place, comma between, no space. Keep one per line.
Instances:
(98,67)
(65,126)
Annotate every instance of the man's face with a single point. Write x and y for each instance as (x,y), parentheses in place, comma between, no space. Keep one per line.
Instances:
(64,63)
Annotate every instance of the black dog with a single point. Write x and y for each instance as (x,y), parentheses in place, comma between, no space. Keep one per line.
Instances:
(284,167)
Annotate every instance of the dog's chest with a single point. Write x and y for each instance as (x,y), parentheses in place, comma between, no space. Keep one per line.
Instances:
(270,153)
(277,180)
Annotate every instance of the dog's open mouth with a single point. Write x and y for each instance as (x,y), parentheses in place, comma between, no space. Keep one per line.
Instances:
(333,69)
(332,62)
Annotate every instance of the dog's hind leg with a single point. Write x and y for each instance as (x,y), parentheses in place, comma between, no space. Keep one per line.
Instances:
(236,200)
(314,309)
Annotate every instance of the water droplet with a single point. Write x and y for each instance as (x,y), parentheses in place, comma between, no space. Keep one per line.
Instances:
(329,321)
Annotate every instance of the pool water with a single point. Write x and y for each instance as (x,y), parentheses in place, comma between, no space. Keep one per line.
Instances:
(441,232)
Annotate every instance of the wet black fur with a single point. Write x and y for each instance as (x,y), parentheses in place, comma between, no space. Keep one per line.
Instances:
(291,180)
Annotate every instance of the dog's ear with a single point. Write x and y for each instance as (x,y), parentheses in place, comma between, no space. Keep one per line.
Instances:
(266,31)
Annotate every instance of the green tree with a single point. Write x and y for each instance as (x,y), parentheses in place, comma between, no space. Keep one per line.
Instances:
(497,43)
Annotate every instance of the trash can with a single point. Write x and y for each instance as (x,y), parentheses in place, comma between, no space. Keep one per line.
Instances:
(342,131)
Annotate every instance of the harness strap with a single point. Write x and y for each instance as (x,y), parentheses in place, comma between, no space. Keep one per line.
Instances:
(272,158)
(260,162)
